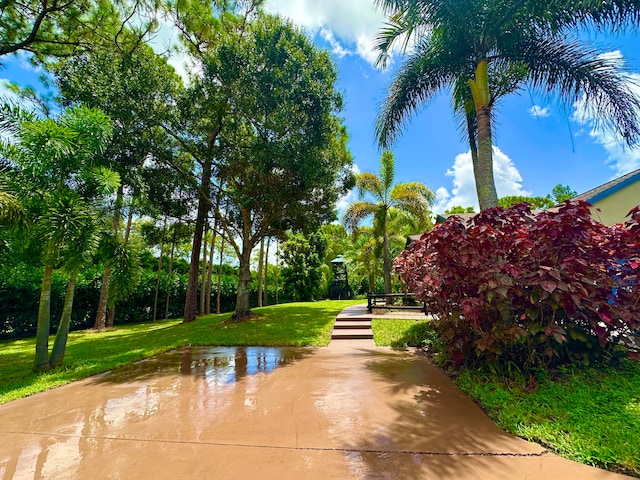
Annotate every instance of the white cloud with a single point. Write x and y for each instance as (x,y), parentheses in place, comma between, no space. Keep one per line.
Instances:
(354,23)
(620,157)
(539,112)
(336,48)
(507,178)
(344,201)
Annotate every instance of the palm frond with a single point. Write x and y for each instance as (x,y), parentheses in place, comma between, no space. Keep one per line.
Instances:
(431,69)
(413,197)
(576,73)
(368,182)
(356,213)
(387,173)
(611,15)
(11,210)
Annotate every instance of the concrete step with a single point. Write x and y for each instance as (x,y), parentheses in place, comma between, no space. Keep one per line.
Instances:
(352,334)
(351,324)
(352,318)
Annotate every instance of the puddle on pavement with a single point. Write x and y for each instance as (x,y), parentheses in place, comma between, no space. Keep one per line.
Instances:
(218,365)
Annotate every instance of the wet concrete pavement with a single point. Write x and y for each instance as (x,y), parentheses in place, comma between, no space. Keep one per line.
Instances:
(348,411)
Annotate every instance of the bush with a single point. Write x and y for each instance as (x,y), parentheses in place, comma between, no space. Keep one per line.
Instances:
(511,287)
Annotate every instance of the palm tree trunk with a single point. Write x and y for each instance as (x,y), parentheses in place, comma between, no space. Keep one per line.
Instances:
(260,260)
(41,362)
(485,184)
(60,343)
(473,146)
(387,263)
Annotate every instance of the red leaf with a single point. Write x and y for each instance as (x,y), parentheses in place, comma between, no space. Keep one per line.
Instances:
(549,285)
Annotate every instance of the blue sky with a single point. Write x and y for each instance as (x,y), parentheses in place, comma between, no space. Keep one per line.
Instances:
(539,142)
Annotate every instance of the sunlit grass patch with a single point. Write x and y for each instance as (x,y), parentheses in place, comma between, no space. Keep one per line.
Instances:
(401,333)
(589,415)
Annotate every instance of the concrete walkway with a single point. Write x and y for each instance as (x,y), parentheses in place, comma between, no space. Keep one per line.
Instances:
(349,411)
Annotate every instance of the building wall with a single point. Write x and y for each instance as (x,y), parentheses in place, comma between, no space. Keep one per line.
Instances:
(614,207)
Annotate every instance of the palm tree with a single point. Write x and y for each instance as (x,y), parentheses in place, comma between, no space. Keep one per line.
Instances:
(412,197)
(61,183)
(363,254)
(486,49)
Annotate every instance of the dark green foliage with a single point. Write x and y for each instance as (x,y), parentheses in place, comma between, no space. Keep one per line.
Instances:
(303,257)
(513,289)
(20,289)
(560,193)
(537,203)
(459,209)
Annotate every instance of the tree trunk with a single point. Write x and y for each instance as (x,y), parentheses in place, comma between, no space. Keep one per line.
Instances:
(41,362)
(101,316)
(473,146)
(111,309)
(191,298)
(127,231)
(277,269)
(207,305)
(260,260)
(60,343)
(387,261)
(203,275)
(170,273)
(220,274)
(111,314)
(266,274)
(213,249)
(155,298)
(242,299)
(485,184)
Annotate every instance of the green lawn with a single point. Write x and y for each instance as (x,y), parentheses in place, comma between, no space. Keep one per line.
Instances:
(588,415)
(400,333)
(88,353)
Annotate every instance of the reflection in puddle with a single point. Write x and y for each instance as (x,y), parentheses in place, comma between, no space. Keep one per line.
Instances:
(217,365)
(224,365)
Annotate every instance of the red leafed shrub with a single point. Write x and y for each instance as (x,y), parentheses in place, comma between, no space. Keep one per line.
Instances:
(511,287)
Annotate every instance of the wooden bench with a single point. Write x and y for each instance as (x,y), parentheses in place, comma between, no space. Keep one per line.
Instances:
(379,300)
